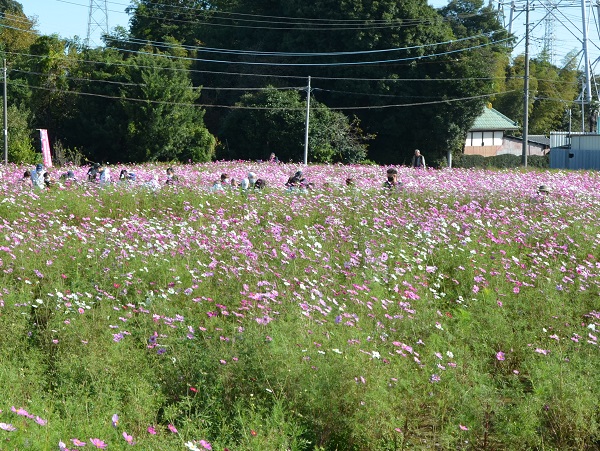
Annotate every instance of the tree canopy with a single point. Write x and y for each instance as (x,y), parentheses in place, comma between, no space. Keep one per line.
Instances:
(275,121)
(364,57)
(192,77)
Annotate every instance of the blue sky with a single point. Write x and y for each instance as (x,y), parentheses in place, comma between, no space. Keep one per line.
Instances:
(69,18)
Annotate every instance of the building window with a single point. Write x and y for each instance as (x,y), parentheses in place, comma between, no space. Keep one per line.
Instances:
(498,138)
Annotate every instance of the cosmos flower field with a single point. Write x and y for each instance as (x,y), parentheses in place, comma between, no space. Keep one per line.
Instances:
(459,312)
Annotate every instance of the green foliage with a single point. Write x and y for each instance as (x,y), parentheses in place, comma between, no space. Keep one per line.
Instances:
(547,83)
(170,308)
(275,121)
(504,161)
(167,123)
(421,120)
(18,31)
(20,144)
(539,161)
(468,161)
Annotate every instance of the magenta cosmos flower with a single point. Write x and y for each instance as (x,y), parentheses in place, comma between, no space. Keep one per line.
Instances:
(98,443)
(128,438)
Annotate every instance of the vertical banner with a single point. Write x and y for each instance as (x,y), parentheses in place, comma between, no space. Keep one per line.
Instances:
(46,157)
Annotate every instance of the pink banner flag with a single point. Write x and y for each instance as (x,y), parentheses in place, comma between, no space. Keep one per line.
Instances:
(46,157)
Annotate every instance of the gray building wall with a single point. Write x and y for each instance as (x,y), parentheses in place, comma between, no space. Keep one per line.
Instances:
(583,153)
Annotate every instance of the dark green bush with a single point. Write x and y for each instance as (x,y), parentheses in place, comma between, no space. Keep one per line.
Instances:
(469,161)
(539,161)
(504,161)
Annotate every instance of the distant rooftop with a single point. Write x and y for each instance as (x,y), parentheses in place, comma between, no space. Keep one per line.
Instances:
(491,119)
(541,139)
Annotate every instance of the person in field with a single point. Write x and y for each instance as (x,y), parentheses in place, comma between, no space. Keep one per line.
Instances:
(92,173)
(67,179)
(251,179)
(418,160)
(392,182)
(104,175)
(542,195)
(296,181)
(37,176)
(26,180)
(171,177)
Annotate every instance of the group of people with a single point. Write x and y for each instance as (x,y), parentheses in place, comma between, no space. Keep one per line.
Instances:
(39,177)
(99,173)
(247,183)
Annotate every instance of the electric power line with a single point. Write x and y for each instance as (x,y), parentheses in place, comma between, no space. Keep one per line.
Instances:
(243,107)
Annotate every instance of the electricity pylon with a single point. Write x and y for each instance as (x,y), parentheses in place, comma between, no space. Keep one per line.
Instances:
(97,20)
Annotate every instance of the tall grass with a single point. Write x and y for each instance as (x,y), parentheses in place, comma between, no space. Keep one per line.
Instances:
(458,313)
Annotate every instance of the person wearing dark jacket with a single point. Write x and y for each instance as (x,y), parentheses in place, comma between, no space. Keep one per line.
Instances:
(418,160)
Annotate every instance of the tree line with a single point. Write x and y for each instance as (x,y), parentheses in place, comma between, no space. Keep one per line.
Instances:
(191,80)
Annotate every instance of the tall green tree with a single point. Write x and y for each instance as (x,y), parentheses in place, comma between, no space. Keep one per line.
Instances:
(275,121)
(98,122)
(163,121)
(156,21)
(17,31)
(427,114)
(43,80)
(552,91)
(20,142)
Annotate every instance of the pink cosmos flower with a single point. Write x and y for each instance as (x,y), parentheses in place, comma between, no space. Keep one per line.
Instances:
(62,446)
(98,443)
(151,430)
(172,428)
(463,428)
(7,427)
(77,442)
(115,420)
(41,421)
(21,411)
(128,438)
(205,445)
(500,356)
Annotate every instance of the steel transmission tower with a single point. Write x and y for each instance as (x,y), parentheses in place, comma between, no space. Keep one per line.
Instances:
(549,38)
(97,20)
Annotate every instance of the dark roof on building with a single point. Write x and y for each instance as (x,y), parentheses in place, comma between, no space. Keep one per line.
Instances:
(491,119)
(539,139)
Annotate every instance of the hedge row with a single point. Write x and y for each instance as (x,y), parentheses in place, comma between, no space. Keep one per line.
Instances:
(499,161)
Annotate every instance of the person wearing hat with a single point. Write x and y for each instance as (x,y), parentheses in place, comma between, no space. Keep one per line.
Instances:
(543,189)
(93,171)
(104,172)
(541,195)
(37,176)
